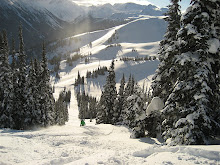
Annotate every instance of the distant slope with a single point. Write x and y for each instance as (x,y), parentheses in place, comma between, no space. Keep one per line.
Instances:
(113,43)
(142,31)
(142,34)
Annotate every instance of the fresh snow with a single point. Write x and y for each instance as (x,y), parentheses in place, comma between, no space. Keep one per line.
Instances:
(103,143)
(156,105)
(213,45)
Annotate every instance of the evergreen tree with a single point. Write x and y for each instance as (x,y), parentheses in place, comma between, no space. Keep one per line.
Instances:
(166,74)
(108,97)
(189,113)
(13,53)
(129,90)
(83,108)
(101,116)
(47,101)
(92,108)
(214,10)
(20,91)
(119,102)
(134,113)
(61,109)
(6,87)
(33,95)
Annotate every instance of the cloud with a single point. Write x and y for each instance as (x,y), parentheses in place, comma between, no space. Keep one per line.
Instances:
(100,2)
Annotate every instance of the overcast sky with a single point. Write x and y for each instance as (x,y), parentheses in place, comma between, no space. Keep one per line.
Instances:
(159,3)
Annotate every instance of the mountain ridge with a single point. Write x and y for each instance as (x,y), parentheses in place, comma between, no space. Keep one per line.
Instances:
(49,20)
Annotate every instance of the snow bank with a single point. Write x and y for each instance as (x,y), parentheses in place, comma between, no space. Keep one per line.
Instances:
(213,45)
(155,105)
(178,155)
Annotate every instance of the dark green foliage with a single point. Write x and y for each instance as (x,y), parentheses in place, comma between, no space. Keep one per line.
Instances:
(20,91)
(153,121)
(47,101)
(87,106)
(95,73)
(6,86)
(80,80)
(108,97)
(128,107)
(119,102)
(164,79)
(61,108)
(146,58)
(134,113)
(13,53)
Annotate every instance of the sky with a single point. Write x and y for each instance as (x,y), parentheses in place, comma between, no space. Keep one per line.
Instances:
(160,3)
(163,3)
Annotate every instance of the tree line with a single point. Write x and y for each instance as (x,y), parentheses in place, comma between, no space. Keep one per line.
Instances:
(87,106)
(125,107)
(146,58)
(26,96)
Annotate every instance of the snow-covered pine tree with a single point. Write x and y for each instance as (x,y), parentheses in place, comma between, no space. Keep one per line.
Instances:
(20,91)
(119,102)
(214,9)
(108,97)
(134,114)
(92,107)
(35,79)
(13,53)
(6,87)
(83,108)
(14,68)
(33,96)
(61,109)
(47,101)
(129,90)
(190,108)
(166,74)
(101,116)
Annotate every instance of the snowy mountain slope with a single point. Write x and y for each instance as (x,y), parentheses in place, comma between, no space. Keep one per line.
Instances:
(37,22)
(143,30)
(124,39)
(124,11)
(65,10)
(141,34)
(153,10)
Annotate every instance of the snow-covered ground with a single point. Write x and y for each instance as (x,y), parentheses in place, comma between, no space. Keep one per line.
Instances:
(95,144)
(101,144)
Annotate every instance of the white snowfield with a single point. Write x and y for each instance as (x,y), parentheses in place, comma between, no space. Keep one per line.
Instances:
(101,144)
